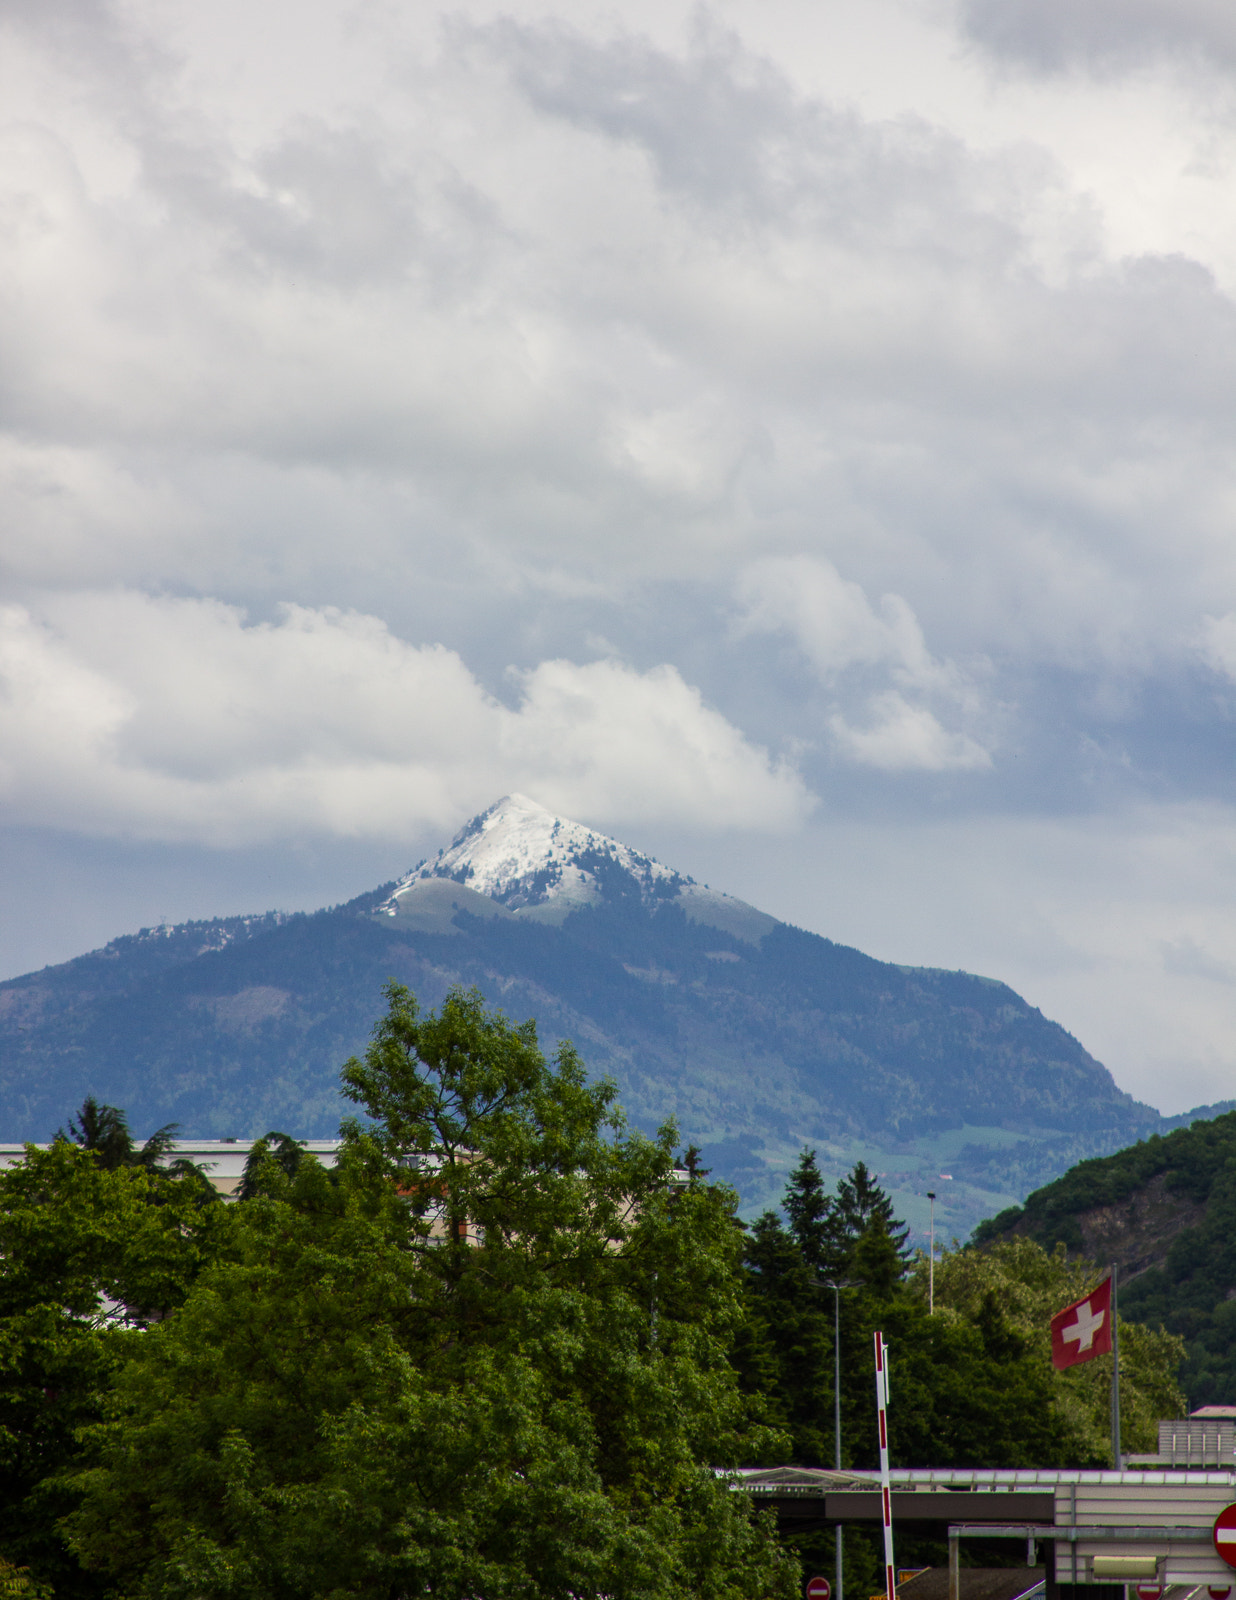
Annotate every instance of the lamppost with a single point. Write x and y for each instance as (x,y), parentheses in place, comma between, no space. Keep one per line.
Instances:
(931,1260)
(837,1285)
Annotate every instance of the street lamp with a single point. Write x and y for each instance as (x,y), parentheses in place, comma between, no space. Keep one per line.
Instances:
(837,1285)
(931,1260)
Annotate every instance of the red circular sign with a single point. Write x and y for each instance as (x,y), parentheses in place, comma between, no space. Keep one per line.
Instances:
(1219,1591)
(819,1589)
(1225,1535)
(1149,1591)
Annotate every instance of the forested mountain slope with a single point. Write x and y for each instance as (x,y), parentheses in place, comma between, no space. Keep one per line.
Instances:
(1165,1211)
(759,1038)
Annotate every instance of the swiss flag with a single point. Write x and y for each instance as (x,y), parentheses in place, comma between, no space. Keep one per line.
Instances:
(1083,1330)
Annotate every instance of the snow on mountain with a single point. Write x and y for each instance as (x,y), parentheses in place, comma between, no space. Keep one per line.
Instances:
(522,855)
(524,858)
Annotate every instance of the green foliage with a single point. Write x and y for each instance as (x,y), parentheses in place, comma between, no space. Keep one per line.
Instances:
(1191,1160)
(1188,1294)
(1191,1294)
(491,1358)
(88,1249)
(273,1150)
(17,1582)
(1018,1282)
(969,1390)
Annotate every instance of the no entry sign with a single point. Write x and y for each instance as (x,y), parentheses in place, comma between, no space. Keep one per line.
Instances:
(1149,1591)
(819,1589)
(1225,1535)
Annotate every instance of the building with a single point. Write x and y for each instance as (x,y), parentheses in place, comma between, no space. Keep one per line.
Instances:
(1093,1533)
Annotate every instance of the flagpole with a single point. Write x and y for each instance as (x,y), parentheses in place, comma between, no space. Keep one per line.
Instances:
(1115,1376)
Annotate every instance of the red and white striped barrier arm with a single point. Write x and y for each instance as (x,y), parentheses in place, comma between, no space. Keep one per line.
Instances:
(886,1494)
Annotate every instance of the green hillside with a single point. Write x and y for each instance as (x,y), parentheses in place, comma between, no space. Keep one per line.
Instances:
(1165,1211)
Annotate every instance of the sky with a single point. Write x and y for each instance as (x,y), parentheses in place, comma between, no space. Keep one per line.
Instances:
(796,438)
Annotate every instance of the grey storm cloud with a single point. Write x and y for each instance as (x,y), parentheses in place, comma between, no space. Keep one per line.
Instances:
(1053,35)
(700,427)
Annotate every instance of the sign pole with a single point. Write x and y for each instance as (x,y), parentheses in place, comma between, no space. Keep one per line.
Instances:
(886,1493)
(1116,1461)
(837,1422)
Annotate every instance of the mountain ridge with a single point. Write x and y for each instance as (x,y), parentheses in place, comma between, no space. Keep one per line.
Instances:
(757,1036)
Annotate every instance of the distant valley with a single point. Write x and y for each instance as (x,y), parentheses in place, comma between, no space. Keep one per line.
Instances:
(756,1036)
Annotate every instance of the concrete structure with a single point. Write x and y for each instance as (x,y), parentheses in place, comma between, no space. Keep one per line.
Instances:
(1095,1531)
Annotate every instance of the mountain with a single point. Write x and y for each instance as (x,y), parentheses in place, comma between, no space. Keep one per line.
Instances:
(543,868)
(1165,1212)
(756,1036)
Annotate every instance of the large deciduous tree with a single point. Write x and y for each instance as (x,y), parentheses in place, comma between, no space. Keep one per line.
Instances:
(92,1248)
(1022,1285)
(490,1358)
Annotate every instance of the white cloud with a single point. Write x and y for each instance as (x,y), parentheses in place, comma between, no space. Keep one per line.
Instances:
(839,630)
(1217,643)
(644,746)
(124,714)
(532,333)
(833,622)
(907,738)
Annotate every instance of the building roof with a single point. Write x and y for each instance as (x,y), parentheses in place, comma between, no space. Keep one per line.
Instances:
(977,1583)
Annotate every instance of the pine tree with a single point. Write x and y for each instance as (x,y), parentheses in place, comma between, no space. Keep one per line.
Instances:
(814,1219)
(859,1200)
(791,1358)
(103,1129)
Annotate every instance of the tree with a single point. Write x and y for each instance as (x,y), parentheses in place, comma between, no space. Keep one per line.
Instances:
(786,1353)
(691,1161)
(971,1388)
(1021,1283)
(816,1223)
(861,1203)
(88,1249)
(275,1149)
(490,1358)
(104,1131)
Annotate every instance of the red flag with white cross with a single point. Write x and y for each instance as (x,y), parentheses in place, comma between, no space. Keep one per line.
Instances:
(1083,1330)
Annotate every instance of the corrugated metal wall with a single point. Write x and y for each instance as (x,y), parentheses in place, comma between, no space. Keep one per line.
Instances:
(1179,1499)
(1198,1441)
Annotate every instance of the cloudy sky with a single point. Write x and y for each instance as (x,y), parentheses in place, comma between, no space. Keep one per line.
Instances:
(795,437)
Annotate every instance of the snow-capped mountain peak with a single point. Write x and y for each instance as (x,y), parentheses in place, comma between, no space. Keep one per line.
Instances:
(522,855)
(521,858)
